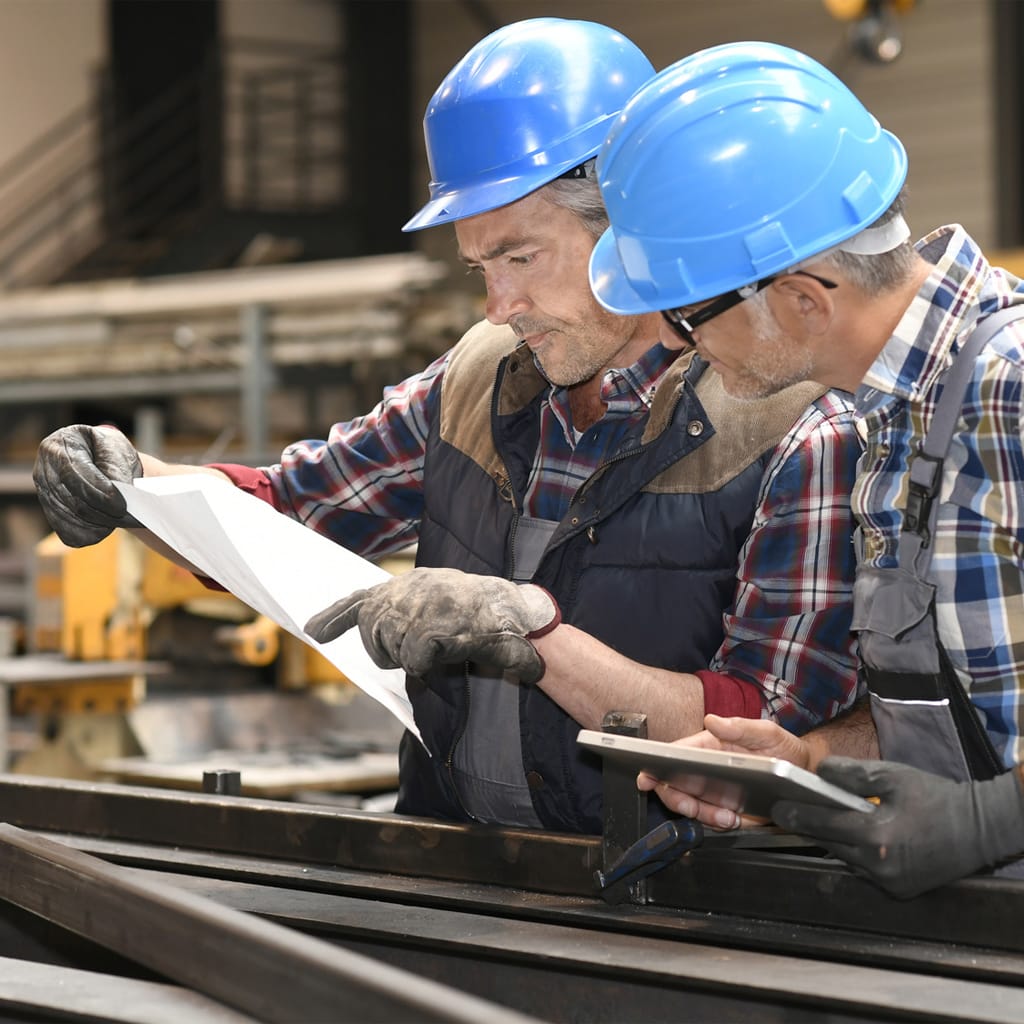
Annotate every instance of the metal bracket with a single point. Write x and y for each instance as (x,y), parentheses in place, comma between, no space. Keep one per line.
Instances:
(625,809)
(629,851)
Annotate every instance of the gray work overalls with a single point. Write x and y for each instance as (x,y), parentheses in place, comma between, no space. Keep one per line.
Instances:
(922,714)
(487,766)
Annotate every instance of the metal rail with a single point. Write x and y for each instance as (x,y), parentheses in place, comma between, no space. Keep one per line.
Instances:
(924,955)
(721,877)
(779,933)
(46,992)
(567,959)
(253,965)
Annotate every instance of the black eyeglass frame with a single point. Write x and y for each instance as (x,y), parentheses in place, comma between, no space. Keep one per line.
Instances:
(684,326)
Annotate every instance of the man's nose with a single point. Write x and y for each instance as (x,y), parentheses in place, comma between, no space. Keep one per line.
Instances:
(504,301)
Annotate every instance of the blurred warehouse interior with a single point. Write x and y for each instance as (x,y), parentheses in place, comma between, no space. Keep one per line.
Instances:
(200,214)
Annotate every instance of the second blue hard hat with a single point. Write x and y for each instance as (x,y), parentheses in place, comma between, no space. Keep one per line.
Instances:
(526,104)
(730,165)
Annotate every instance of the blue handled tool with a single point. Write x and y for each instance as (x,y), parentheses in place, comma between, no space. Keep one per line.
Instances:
(660,847)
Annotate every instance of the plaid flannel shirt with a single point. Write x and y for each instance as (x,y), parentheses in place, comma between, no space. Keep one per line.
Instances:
(978,560)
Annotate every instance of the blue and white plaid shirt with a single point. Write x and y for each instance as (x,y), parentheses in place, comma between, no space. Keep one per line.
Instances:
(978,560)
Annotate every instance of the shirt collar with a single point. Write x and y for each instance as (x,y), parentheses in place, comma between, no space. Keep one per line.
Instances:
(951,298)
(624,391)
(633,385)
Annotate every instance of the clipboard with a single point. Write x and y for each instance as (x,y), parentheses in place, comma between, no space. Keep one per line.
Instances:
(746,783)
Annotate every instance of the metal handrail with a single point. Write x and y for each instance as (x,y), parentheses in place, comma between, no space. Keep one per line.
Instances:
(39,150)
(147,154)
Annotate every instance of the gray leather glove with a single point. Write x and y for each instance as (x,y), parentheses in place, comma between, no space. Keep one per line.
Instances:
(429,617)
(73,473)
(926,831)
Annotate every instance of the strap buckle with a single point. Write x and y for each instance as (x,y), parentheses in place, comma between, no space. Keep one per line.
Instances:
(925,478)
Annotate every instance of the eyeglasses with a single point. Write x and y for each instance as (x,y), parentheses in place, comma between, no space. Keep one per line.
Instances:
(685,324)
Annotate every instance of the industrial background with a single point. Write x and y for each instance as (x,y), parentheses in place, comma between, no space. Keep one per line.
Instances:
(147,138)
(201,205)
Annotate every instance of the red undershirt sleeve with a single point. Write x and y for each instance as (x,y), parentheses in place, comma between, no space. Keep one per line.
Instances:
(252,481)
(728,696)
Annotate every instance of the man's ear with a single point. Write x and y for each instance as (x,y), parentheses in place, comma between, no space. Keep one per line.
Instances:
(804,301)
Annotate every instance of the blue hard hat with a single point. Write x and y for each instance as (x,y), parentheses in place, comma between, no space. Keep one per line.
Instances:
(526,104)
(730,165)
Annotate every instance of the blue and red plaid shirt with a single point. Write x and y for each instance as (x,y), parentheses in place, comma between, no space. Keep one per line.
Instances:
(978,549)
(789,630)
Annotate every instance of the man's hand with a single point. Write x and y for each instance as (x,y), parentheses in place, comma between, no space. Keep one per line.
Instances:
(429,617)
(744,735)
(73,474)
(926,831)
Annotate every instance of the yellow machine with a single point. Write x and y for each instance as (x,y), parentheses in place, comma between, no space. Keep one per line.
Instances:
(119,601)
(120,639)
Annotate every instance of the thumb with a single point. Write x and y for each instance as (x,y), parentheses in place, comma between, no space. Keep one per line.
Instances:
(340,617)
(502,650)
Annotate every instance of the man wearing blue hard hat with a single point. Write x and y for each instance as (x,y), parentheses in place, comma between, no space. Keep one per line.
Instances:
(758,206)
(583,497)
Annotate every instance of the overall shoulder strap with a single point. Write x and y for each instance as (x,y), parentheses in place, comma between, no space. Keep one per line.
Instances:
(926,470)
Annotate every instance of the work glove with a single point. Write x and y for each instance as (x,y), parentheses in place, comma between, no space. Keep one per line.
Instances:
(429,617)
(73,474)
(927,830)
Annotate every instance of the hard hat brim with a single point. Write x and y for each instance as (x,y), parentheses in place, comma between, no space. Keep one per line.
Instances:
(481,197)
(609,283)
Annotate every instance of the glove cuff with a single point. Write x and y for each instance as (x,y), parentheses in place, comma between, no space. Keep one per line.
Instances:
(544,613)
(1002,815)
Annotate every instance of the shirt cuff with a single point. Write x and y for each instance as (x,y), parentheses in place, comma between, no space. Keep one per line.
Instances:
(252,481)
(728,696)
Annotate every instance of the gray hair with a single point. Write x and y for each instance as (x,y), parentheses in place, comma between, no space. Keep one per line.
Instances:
(581,197)
(877,274)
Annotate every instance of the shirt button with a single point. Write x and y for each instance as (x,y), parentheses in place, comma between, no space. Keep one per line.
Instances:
(695,428)
(535,780)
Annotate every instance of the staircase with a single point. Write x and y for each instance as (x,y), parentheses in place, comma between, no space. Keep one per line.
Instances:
(238,164)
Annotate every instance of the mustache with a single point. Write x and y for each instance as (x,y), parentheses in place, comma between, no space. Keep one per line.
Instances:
(523,327)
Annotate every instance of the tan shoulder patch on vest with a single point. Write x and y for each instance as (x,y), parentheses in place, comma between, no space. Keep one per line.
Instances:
(468,390)
(744,430)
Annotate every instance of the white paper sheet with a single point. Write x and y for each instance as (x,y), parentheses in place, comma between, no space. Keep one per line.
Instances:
(275,565)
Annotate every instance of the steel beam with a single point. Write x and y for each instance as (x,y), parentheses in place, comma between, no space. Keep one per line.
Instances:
(303,832)
(574,966)
(252,965)
(719,878)
(45,992)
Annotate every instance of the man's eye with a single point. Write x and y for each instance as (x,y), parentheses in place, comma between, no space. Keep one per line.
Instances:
(521,261)
(474,268)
